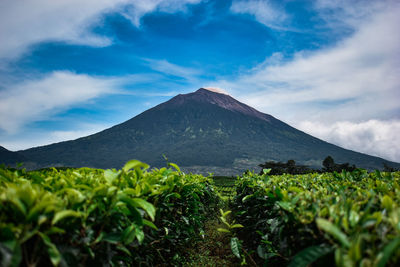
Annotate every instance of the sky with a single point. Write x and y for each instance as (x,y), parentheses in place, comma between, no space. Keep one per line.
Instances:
(331,68)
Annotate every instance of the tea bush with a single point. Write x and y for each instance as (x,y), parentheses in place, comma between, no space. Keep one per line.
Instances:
(90,217)
(342,219)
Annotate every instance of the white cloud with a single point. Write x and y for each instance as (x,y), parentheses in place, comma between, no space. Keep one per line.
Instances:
(344,13)
(263,11)
(374,137)
(136,9)
(24,23)
(37,99)
(27,22)
(168,68)
(45,138)
(356,80)
(216,90)
(34,100)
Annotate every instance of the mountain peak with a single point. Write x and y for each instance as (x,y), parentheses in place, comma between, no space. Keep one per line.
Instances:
(218,97)
(214,90)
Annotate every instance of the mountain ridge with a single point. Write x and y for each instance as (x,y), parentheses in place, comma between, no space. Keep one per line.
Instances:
(222,100)
(10,157)
(203,131)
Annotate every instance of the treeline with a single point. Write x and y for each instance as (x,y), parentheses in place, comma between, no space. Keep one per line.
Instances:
(279,168)
(290,167)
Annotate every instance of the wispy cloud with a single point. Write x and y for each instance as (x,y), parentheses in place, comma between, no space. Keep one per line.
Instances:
(39,99)
(29,22)
(41,138)
(24,23)
(264,12)
(355,80)
(168,68)
(348,14)
(136,9)
(359,73)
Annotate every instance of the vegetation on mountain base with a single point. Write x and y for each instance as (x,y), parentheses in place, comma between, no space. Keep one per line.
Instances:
(329,165)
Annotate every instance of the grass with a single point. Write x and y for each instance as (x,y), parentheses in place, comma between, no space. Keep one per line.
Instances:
(213,250)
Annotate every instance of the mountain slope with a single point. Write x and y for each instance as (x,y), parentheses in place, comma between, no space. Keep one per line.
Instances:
(10,157)
(203,128)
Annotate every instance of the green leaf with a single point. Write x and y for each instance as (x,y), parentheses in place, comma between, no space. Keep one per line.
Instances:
(295,189)
(174,194)
(113,238)
(342,258)
(146,206)
(134,164)
(388,251)
(110,175)
(128,235)
(224,214)
(136,216)
(278,193)
(150,224)
(263,254)
(54,254)
(175,166)
(223,220)
(124,249)
(309,255)
(237,225)
(28,235)
(64,214)
(223,230)
(387,203)
(246,198)
(139,235)
(54,230)
(18,203)
(333,230)
(132,232)
(99,238)
(235,246)
(266,171)
(286,205)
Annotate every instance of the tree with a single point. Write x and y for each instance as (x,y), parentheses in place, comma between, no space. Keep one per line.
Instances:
(279,168)
(329,164)
(387,168)
(291,167)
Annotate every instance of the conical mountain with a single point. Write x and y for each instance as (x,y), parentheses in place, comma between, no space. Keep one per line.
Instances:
(203,131)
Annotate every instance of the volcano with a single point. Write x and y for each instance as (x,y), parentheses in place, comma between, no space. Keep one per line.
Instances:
(204,131)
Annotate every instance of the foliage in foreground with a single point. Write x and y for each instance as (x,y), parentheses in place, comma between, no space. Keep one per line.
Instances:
(346,219)
(94,217)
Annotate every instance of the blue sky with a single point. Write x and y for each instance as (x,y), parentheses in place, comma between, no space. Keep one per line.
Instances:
(69,68)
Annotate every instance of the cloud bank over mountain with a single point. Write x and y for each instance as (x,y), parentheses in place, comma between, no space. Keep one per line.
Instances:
(338,87)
